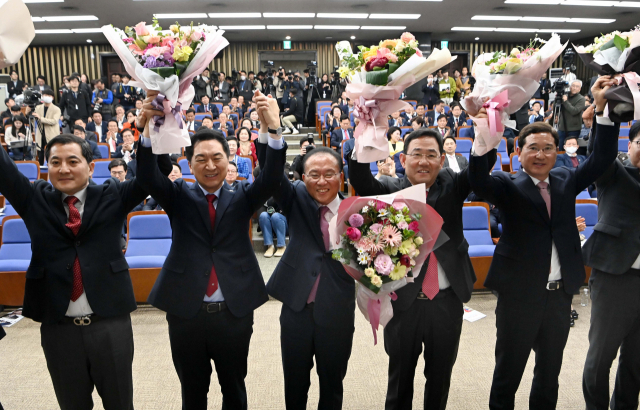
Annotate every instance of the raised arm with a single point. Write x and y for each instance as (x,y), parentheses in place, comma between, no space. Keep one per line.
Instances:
(13,185)
(363,180)
(482,183)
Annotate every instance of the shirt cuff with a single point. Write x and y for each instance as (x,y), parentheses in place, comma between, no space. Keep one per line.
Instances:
(263,138)
(275,143)
(146,142)
(604,120)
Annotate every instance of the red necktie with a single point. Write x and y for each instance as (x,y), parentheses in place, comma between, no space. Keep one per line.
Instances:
(324,227)
(206,108)
(213,278)
(74,224)
(346,135)
(430,283)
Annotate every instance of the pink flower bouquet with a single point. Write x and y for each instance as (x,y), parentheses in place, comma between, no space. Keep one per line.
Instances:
(166,61)
(382,242)
(504,83)
(378,76)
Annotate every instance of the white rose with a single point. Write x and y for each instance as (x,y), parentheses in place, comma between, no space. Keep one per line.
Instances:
(400,46)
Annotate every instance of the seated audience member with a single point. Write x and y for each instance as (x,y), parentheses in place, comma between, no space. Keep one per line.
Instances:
(457,118)
(570,158)
(8,102)
(113,137)
(138,106)
(89,135)
(421,113)
(273,222)
(152,204)
(451,160)
(245,145)
(118,169)
(438,110)
(227,111)
(130,124)
(243,165)
(394,135)
(78,131)
(246,123)
(342,133)
(255,119)
(191,120)
(19,132)
(417,123)
(207,122)
(296,165)
(232,174)
(386,168)
(408,114)
(225,124)
(97,126)
(126,150)
(442,128)
(396,120)
(207,107)
(332,119)
(535,113)
(120,117)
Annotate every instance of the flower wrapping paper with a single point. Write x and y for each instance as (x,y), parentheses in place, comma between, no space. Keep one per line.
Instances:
(16,31)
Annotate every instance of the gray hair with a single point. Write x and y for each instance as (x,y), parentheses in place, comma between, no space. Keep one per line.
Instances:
(577,81)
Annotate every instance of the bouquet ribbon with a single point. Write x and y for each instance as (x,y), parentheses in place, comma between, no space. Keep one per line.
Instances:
(158,104)
(494,106)
(373,309)
(632,78)
(366,110)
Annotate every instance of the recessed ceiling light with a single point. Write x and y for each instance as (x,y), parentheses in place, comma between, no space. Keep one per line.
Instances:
(329,38)
(516,30)
(383,27)
(473,28)
(289,15)
(342,15)
(234,15)
(533,1)
(287,38)
(336,27)
(57,31)
(353,37)
(70,18)
(395,16)
(35,19)
(242,27)
(181,16)
(497,18)
(86,30)
(477,38)
(89,40)
(290,27)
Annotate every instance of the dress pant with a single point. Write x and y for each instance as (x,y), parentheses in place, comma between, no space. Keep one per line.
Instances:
(435,323)
(301,339)
(541,323)
(81,357)
(615,324)
(220,337)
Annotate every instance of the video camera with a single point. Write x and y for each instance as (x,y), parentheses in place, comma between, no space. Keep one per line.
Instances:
(560,88)
(567,59)
(30,97)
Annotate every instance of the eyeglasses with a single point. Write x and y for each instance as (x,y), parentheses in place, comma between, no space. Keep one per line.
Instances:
(427,157)
(637,143)
(232,172)
(548,150)
(327,177)
(116,173)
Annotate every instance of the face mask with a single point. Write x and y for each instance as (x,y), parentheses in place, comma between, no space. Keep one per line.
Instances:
(243,78)
(430,80)
(47,100)
(571,150)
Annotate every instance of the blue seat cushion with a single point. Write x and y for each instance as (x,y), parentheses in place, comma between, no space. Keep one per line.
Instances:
(14,265)
(139,262)
(481,250)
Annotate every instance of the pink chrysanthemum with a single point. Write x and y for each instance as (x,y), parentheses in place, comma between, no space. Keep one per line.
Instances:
(391,236)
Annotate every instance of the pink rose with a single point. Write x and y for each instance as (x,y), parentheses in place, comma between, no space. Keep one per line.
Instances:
(383,264)
(413,226)
(376,228)
(399,206)
(405,260)
(167,42)
(407,37)
(388,54)
(353,234)
(196,35)
(380,205)
(135,49)
(155,51)
(418,52)
(356,220)
(141,29)
(403,225)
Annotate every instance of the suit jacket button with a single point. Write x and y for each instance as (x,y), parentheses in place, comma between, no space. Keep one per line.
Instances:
(68,266)
(314,274)
(78,243)
(214,250)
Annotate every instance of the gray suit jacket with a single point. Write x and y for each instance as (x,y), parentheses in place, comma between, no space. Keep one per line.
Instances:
(224,90)
(462,162)
(614,245)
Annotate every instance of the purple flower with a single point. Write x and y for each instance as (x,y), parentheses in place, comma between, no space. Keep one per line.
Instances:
(150,62)
(383,264)
(356,220)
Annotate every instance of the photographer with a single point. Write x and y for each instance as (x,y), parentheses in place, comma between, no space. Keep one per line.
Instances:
(570,119)
(103,100)
(245,86)
(294,113)
(325,87)
(257,82)
(338,84)
(19,131)
(296,165)
(278,81)
(47,115)
(290,83)
(76,103)
(200,83)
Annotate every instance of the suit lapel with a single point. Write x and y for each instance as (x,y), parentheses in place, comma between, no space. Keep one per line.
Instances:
(434,194)
(94,192)
(202,205)
(526,185)
(313,217)
(54,197)
(556,192)
(226,195)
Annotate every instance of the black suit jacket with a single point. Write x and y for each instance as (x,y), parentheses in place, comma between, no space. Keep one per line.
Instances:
(120,154)
(522,258)
(446,196)
(213,109)
(615,244)
(95,149)
(338,135)
(462,121)
(105,271)
(14,90)
(245,89)
(182,283)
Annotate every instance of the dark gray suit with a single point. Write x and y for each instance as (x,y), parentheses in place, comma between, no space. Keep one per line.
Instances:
(224,91)
(611,251)
(462,162)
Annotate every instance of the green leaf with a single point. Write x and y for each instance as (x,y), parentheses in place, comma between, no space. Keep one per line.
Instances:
(620,43)
(164,72)
(378,77)
(366,281)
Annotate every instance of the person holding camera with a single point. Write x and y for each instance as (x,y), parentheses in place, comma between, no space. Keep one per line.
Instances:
(102,100)
(126,94)
(19,131)
(294,113)
(47,115)
(290,83)
(306,145)
(76,103)
(570,118)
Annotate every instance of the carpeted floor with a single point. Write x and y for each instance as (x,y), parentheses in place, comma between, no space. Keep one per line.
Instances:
(25,382)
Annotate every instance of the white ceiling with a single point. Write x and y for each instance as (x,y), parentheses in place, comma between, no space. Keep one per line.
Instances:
(436,17)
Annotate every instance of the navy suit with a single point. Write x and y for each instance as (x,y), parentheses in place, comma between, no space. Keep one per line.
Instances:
(402,122)
(564,160)
(182,283)
(462,121)
(230,128)
(338,135)
(529,316)
(213,109)
(95,150)
(92,127)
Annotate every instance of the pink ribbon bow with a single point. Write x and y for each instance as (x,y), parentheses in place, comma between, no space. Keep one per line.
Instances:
(632,78)
(494,106)
(366,110)
(158,104)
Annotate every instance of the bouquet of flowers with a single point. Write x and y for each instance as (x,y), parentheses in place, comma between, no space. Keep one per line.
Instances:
(378,75)
(504,83)
(382,243)
(166,61)
(617,54)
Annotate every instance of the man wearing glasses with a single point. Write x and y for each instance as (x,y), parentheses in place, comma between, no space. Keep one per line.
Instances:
(429,310)
(537,266)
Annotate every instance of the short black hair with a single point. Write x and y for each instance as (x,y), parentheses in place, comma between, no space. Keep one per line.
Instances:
(535,128)
(570,137)
(240,130)
(322,150)
(232,138)
(64,139)
(73,77)
(191,110)
(447,137)
(126,76)
(175,164)
(98,112)
(420,105)
(234,164)
(454,105)
(48,91)
(97,80)
(78,128)
(118,106)
(303,140)
(118,162)
(206,134)
(126,130)
(41,77)
(293,91)
(422,133)
(391,131)
(110,121)
(12,71)
(131,111)
(207,117)
(439,102)
(536,102)
(344,117)
(204,97)
(6,100)
(633,131)
(251,72)
(442,116)
(418,120)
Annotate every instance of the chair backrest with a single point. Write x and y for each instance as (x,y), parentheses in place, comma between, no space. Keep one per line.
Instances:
(469,122)
(515,162)
(405,130)
(502,147)
(623,144)
(321,104)
(464,131)
(148,234)
(373,166)
(202,115)
(589,211)
(446,109)
(463,145)
(235,114)
(583,195)
(412,102)
(497,166)
(30,169)
(219,105)
(184,167)
(101,169)
(105,152)
(16,242)
(624,132)
(9,210)
(323,113)
(475,224)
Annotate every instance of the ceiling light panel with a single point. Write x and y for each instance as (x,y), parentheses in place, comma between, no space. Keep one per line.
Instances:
(86,30)
(533,1)
(342,15)
(234,15)
(473,28)
(289,15)
(57,31)
(289,27)
(516,30)
(336,27)
(70,18)
(37,19)
(597,3)
(242,27)
(544,19)
(383,28)
(43,1)
(181,16)
(395,16)
(497,18)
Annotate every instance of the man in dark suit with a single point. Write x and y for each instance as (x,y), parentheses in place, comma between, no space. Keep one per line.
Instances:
(457,118)
(345,132)
(570,158)
(190,122)
(206,107)
(537,266)
(430,91)
(210,283)
(97,126)
(245,86)
(78,131)
(433,115)
(318,296)
(613,252)
(15,85)
(397,120)
(223,87)
(78,282)
(429,310)
(451,160)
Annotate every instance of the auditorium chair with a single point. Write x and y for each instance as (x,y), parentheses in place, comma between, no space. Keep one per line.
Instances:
(15,257)
(105,152)
(463,146)
(624,132)
(101,171)
(30,169)
(497,166)
(184,167)
(464,131)
(405,130)
(588,209)
(477,232)
(515,162)
(502,150)
(623,144)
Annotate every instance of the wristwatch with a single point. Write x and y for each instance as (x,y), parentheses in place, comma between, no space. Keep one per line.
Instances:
(598,113)
(277,131)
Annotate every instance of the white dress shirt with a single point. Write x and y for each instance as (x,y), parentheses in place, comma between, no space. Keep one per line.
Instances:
(443,282)
(190,125)
(217,295)
(636,264)
(99,131)
(81,306)
(453,162)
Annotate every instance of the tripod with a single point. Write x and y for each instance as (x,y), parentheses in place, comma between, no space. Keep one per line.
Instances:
(313,91)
